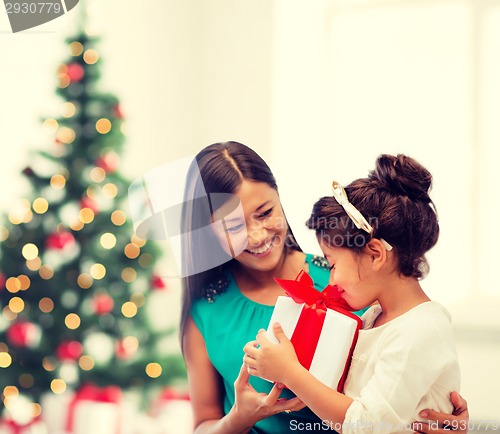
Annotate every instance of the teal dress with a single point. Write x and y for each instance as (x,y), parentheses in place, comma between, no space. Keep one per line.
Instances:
(227,322)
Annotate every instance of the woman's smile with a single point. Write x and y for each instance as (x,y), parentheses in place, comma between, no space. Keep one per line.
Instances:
(263,250)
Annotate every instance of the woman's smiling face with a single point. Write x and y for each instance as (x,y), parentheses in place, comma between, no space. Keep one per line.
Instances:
(254,233)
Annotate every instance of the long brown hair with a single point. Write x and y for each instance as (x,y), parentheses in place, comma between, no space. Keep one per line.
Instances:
(218,168)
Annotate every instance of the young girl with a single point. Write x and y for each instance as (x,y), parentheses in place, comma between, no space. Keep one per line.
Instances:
(375,234)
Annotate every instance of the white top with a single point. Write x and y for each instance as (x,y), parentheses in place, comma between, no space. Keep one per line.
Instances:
(401,368)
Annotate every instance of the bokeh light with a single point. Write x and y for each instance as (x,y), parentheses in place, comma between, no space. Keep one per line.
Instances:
(91,56)
(68,109)
(46,272)
(34,264)
(86,363)
(98,271)
(86,215)
(40,205)
(72,321)
(131,251)
(97,174)
(129,274)
(50,126)
(16,304)
(46,305)
(58,386)
(118,217)
(5,360)
(30,251)
(13,285)
(76,48)
(57,182)
(103,126)
(85,280)
(110,190)
(153,370)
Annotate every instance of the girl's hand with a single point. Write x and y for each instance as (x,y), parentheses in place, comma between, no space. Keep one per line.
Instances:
(251,406)
(271,361)
(458,421)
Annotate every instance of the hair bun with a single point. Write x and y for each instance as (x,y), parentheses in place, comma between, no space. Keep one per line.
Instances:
(403,175)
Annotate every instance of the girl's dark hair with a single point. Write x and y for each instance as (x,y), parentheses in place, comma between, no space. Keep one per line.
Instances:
(218,168)
(394,199)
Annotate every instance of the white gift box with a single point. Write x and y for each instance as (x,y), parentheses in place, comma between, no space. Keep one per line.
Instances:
(96,418)
(89,416)
(176,417)
(338,335)
(55,411)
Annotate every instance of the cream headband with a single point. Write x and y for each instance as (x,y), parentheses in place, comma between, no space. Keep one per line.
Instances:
(357,218)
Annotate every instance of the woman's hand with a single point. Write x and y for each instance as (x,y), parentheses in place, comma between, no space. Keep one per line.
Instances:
(458,421)
(253,406)
(271,361)
(207,392)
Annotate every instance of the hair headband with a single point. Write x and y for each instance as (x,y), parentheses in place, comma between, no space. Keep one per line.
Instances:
(357,218)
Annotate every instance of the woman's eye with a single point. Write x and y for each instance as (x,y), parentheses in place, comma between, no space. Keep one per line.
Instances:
(332,267)
(235,229)
(266,213)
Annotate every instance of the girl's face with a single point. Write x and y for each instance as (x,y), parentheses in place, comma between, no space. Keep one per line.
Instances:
(351,273)
(254,233)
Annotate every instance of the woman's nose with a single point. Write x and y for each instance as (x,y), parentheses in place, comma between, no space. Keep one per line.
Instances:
(257,235)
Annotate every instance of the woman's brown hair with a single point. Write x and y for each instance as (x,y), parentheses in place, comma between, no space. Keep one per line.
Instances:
(218,168)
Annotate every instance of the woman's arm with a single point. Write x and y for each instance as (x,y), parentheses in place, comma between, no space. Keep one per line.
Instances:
(206,391)
(458,420)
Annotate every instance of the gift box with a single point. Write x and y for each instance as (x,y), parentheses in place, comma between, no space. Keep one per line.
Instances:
(88,410)
(92,410)
(173,412)
(320,326)
(55,411)
(95,410)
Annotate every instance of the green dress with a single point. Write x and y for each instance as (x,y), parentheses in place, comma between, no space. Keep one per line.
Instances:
(227,322)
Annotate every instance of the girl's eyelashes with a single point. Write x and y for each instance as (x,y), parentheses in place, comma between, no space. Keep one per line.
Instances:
(332,266)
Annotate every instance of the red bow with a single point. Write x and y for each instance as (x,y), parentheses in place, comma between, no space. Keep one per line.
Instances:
(302,290)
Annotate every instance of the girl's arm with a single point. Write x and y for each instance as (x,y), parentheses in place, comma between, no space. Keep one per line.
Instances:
(279,363)
(387,400)
(206,392)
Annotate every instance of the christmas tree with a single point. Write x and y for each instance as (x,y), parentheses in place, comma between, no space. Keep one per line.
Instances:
(74,279)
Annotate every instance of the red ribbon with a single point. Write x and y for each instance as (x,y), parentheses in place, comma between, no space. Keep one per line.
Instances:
(307,332)
(18,429)
(90,392)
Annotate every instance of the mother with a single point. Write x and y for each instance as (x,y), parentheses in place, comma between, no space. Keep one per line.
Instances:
(236,240)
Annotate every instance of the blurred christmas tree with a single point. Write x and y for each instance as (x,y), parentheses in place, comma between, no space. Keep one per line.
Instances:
(74,279)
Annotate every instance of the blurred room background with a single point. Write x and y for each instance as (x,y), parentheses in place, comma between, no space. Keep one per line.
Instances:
(319,89)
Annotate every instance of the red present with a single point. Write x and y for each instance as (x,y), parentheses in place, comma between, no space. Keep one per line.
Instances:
(320,326)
